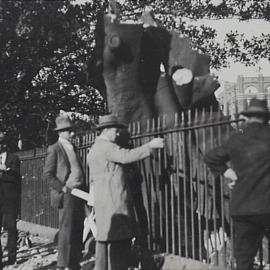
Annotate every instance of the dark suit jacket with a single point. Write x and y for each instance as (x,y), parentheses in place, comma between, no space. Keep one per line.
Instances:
(249,154)
(10,185)
(56,172)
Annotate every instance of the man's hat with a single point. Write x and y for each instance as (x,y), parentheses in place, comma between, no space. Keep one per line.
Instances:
(63,123)
(257,107)
(3,137)
(109,120)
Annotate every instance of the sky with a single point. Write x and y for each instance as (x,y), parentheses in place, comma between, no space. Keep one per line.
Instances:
(251,28)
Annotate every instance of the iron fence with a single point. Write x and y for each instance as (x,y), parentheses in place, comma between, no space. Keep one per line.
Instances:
(35,202)
(187,208)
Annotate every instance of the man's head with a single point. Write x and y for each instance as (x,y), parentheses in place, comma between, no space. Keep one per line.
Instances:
(110,126)
(65,127)
(111,133)
(3,142)
(257,111)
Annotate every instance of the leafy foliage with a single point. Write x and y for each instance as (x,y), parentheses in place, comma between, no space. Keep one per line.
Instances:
(44,48)
(183,16)
(47,59)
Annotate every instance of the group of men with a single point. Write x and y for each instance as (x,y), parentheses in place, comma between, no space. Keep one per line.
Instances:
(248,152)
(112,199)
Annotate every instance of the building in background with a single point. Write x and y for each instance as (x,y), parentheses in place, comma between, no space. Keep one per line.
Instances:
(235,96)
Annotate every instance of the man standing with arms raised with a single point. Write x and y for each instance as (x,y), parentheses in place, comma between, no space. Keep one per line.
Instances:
(112,198)
(63,170)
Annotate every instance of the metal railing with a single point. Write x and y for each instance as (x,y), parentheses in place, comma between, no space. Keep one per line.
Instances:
(187,208)
(35,199)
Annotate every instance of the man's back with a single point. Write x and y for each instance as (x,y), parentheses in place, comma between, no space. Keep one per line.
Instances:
(249,153)
(110,193)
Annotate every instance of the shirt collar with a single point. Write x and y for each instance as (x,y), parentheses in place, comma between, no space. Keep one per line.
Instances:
(64,141)
(3,157)
(104,137)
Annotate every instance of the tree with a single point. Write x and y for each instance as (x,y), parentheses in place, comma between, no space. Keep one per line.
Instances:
(47,61)
(44,47)
(182,15)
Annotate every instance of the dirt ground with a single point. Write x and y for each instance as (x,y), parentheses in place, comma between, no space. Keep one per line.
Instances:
(35,252)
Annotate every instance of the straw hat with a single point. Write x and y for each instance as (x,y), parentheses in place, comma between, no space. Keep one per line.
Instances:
(257,107)
(109,120)
(63,123)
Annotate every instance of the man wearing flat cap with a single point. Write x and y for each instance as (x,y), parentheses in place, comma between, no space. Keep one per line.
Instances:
(10,195)
(64,171)
(249,155)
(112,198)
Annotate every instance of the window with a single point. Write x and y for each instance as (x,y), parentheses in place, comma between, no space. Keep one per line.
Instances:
(251,90)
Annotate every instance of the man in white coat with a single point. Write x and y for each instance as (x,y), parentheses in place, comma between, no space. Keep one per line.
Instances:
(112,198)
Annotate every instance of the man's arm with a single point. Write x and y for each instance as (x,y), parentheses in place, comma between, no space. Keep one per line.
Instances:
(11,170)
(49,172)
(124,156)
(14,166)
(216,160)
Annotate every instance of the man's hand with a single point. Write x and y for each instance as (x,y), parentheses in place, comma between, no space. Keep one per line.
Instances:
(70,185)
(3,167)
(232,184)
(230,174)
(156,143)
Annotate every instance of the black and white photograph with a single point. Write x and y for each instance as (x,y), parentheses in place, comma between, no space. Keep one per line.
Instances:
(134,134)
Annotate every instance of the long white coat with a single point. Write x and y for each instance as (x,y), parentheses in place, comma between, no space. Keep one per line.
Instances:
(112,199)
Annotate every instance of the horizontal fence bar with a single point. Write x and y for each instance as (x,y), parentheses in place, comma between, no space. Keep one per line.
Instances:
(186,128)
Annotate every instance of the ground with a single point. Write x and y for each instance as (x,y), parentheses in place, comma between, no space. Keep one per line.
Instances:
(35,252)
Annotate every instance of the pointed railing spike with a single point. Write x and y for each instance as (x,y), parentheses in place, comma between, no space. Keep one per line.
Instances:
(176,120)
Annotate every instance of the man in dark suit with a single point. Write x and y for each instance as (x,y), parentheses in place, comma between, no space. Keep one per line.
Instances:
(10,190)
(63,170)
(249,154)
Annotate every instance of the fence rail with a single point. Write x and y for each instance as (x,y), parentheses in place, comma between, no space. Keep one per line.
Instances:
(187,209)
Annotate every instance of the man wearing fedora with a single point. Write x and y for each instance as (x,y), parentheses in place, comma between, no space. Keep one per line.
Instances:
(10,195)
(249,155)
(111,194)
(64,171)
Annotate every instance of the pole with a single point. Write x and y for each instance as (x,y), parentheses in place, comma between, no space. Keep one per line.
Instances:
(1,11)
